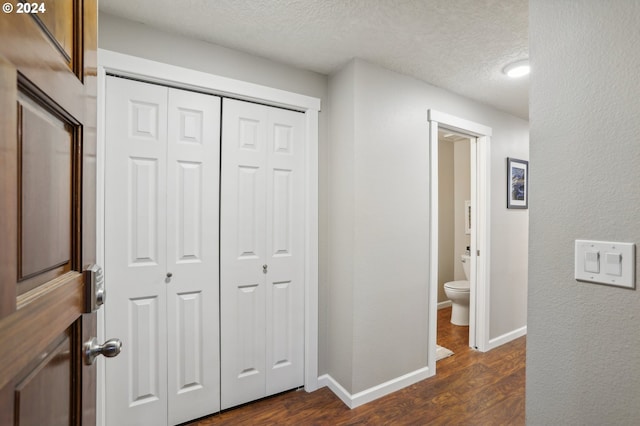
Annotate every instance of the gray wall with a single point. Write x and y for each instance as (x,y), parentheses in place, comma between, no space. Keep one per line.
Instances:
(446,216)
(583,345)
(340,230)
(387,252)
(462,191)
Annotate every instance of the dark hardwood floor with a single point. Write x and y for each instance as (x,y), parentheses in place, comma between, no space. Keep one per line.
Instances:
(470,388)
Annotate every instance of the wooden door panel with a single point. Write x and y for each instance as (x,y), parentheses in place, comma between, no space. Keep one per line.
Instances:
(30,45)
(42,316)
(39,319)
(8,186)
(47,135)
(61,24)
(34,404)
(46,163)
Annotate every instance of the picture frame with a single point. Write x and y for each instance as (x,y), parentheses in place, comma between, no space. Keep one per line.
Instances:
(517,183)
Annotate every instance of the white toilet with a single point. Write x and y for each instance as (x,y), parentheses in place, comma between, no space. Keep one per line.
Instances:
(458,293)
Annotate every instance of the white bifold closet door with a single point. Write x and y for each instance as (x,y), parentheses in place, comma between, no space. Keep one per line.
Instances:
(261,252)
(161,253)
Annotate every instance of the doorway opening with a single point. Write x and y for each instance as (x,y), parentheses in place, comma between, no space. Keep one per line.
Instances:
(478,213)
(454,234)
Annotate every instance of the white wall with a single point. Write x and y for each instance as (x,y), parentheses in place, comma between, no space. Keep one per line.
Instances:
(390,188)
(133,38)
(583,346)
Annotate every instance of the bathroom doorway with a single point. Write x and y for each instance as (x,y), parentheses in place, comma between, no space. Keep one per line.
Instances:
(478,136)
(454,230)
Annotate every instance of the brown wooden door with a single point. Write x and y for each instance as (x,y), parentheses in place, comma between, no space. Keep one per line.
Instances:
(47,210)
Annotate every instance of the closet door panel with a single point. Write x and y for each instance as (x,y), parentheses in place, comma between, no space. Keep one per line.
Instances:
(243,243)
(285,250)
(193,159)
(135,255)
(162,260)
(262,251)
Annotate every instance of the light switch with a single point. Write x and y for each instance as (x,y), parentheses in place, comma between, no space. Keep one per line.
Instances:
(603,262)
(592,262)
(613,264)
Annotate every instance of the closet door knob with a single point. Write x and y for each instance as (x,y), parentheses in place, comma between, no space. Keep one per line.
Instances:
(169,274)
(264,269)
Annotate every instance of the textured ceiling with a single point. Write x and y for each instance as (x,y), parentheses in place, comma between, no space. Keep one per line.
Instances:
(459,45)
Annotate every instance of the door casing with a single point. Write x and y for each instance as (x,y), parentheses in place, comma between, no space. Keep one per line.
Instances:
(480,225)
(173,76)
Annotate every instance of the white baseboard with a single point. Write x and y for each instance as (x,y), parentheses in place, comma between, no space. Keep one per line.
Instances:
(444,304)
(328,381)
(375,392)
(507,337)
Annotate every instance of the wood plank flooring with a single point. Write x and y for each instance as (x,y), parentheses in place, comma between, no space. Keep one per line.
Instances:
(470,388)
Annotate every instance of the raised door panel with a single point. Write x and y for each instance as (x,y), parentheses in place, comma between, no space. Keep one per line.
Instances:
(193,170)
(55,49)
(189,219)
(135,255)
(46,208)
(242,346)
(249,216)
(60,23)
(143,351)
(143,211)
(243,252)
(282,229)
(189,343)
(35,406)
(285,249)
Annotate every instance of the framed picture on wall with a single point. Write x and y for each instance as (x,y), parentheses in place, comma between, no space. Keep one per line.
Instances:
(517,184)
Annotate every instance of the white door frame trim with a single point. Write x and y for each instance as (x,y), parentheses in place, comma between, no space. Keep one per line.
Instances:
(480,221)
(170,75)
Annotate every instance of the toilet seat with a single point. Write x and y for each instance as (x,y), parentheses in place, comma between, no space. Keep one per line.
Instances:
(461,286)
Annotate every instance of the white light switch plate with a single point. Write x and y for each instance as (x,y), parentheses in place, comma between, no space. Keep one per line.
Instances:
(615,263)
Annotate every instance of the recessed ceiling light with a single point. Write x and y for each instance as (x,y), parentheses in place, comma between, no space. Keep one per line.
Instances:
(517,69)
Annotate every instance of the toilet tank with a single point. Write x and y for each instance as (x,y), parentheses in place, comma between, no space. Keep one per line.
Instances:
(466,264)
